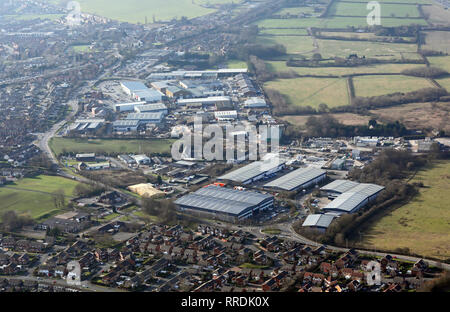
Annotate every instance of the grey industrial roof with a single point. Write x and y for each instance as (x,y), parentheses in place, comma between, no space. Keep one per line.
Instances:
(319,220)
(339,186)
(223,200)
(125,123)
(145,116)
(250,171)
(296,178)
(346,202)
(134,85)
(352,194)
(367,189)
(151,107)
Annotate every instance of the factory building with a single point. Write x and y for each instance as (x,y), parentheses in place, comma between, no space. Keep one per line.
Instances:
(226,115)
(225,204)
(352,199)
(128,107)
(145,118)
(125,125)
(253,172)
(320,222)
(151,108)
(301,178)
(205,102)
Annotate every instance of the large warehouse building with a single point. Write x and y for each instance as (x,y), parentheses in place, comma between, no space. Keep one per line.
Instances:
(253,172)
(351,199)
(225,204)
(298,179)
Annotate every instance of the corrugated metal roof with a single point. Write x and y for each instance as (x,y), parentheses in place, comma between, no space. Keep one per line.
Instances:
(339,186)
(319,220)
(296,178)
(250,171)
(223,200)
(346,202)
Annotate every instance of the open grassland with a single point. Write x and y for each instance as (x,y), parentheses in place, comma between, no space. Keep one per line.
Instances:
(422,225)
(290,23)
(296,11)
(437,41)
(445,83)
(294,45)
(33,196)
(312,91)
(338,48)
(348,119)
(236,64)
(280,66)
(335,22)
(134,11)
(417,115)
(367,86)
(344,22)
(437,15)
(149,147)
(442,62)
(354,35)
(387,9)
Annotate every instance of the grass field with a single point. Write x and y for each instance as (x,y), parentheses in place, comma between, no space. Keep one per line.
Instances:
(367,86)
(348,119)
(437,41)
(31,195)
(312,91)
(283,31)
(151,146)
(445,83)
(422,225)
(417,115)
(380,50)
(134,11)
(442,62)
(280,66)
(387,9)
(236,64)
(294,45)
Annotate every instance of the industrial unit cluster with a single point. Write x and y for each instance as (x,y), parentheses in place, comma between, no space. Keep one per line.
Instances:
(222,95)
(239,203)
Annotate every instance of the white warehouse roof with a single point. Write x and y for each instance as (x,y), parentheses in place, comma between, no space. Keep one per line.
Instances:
(296,178)
(318,220)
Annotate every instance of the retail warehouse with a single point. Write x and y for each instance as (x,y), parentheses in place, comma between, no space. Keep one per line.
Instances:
(225,204)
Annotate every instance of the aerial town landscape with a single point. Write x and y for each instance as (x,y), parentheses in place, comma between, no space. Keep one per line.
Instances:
(224,146)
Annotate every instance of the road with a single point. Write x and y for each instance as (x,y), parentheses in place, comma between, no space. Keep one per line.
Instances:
(288,232)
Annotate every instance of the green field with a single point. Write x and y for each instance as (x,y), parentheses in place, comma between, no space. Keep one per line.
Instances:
(150,146)
(294,45)
(445,83)
(312,91)
(442,62)
(387,10)
(31,195)
(280,66)
(283,31)
(422,225)
(380,50)
(134,11)
(236,64)
(367,86)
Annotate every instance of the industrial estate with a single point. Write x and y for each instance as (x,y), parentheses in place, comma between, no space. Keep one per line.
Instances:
(352,184)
